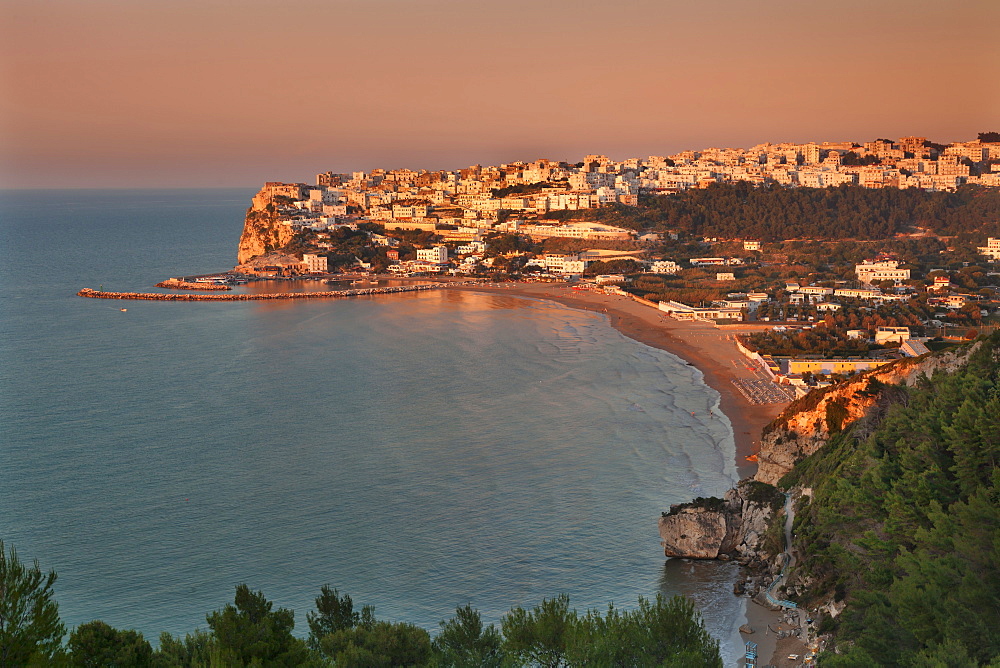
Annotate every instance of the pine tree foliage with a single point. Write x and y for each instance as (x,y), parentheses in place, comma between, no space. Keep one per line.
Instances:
(904,524)
(30,628)
(772,213)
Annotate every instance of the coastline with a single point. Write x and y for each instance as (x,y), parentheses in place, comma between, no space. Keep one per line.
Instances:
(699,344)
(709,350)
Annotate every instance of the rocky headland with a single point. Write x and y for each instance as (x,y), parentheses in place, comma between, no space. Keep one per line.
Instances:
(742,525)
(262,230)
(730,527)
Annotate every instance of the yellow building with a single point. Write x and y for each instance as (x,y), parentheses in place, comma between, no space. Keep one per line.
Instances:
(830,366)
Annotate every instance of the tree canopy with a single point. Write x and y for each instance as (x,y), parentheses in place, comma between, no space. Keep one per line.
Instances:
(774,212)
(904,522)
(249,631)
(30,628)
(98,645)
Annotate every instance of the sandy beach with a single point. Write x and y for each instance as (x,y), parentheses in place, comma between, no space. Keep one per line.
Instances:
(714,353)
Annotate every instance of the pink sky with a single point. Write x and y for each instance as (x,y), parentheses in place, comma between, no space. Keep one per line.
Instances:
(116,93)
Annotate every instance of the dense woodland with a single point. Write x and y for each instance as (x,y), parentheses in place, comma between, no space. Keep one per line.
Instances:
(252,632)
(904,523)
(774,213)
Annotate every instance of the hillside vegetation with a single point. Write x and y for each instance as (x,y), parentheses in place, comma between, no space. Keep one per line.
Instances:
(776,213)
(903,524)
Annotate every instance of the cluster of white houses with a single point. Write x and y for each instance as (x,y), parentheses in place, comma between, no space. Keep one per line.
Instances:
(472,199)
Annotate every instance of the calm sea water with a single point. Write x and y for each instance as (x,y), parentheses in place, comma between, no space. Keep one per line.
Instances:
(417,451)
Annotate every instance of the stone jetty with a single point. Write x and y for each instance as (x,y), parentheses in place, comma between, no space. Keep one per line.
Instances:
(168,297)
(181,284)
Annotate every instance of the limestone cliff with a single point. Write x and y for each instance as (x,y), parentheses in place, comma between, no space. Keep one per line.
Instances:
(737,525)
(733,526)
(262,233)
(806,424)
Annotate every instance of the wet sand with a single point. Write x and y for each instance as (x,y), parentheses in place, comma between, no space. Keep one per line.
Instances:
(700,344)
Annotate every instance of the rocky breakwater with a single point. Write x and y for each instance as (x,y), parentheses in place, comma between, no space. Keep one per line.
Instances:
(266,296)
(263,231)
(732,527)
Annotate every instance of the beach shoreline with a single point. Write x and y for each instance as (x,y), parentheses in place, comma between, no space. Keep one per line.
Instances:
(699,344)
(709,350)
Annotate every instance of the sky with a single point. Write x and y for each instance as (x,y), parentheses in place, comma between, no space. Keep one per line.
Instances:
(221,93)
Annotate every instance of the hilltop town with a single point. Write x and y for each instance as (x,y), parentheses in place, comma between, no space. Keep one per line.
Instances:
(839,256)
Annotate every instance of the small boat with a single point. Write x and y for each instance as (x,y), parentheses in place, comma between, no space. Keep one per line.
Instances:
(124,309)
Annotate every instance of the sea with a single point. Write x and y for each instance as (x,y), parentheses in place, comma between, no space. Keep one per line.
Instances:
(416,451)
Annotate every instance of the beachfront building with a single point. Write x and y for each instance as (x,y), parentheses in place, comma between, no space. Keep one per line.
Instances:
(844,366)
(570,265)
(435,254)
(314,264)
(682,311)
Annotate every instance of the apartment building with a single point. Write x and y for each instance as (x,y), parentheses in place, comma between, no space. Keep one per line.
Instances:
(664,267)
(884,270)
(991,249)
(436,255)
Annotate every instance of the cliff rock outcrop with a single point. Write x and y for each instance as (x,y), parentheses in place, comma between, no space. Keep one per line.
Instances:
(262,231)
(736,525)
(808,422)
(733,526)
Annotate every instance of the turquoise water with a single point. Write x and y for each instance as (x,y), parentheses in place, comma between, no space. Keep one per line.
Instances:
(417,451)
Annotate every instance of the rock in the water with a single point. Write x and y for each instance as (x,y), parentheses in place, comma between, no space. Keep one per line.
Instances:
(695,533)
(720,528)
